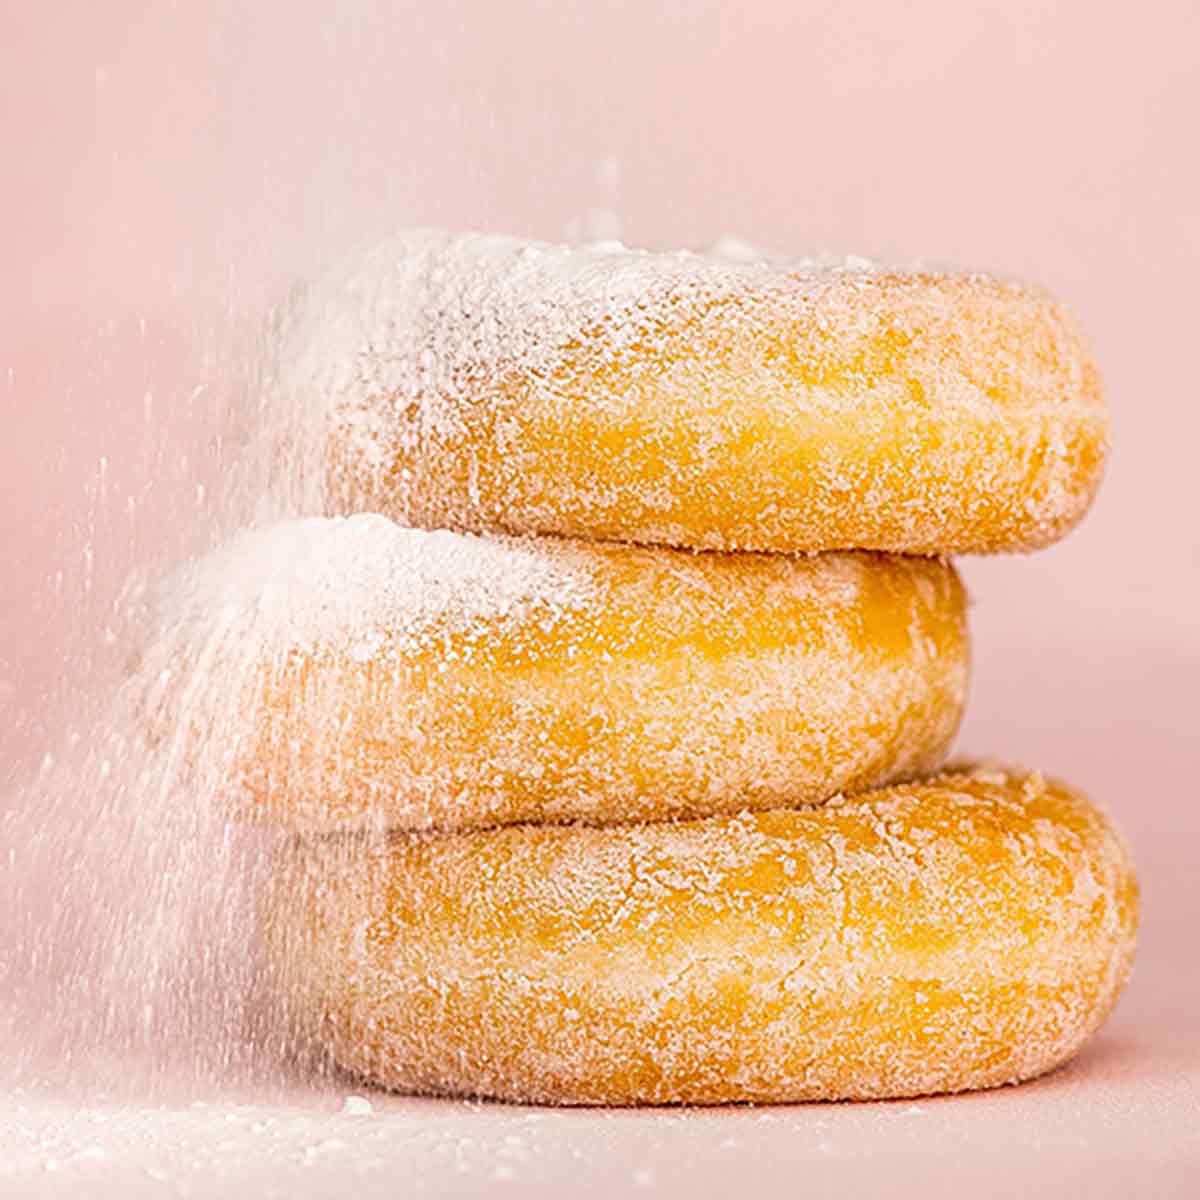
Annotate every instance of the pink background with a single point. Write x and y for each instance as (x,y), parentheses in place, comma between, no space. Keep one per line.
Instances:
(169,168)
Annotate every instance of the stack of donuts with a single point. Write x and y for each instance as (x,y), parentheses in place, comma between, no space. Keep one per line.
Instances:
(606,673)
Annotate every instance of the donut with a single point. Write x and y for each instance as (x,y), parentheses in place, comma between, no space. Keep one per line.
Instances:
(965,932)
(497,385)
(366,674)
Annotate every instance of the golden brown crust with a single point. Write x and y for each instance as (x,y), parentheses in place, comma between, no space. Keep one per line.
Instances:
(629,684)
(414,680)
(966,932)
(494,385)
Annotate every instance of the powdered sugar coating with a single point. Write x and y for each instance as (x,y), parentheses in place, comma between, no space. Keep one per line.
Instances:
(393,677)
(705,400)
(961,933)
(346,585)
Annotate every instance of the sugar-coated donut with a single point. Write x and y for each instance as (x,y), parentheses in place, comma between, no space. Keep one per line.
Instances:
(969,931)
(493,384)
(377,675)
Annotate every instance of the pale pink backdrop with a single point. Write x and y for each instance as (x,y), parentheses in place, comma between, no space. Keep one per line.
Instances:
(168,168)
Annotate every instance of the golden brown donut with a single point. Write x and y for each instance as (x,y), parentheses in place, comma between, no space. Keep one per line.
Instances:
(367,674)
(969,931)
(493,384)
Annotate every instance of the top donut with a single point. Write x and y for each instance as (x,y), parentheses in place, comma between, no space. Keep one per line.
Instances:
(491,384)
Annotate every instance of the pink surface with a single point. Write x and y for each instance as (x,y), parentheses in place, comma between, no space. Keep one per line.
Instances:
(174,166)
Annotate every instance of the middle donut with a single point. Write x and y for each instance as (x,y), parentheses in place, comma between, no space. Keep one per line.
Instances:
(374,675)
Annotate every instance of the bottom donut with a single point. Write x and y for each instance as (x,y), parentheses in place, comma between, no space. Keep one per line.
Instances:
(968,931)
